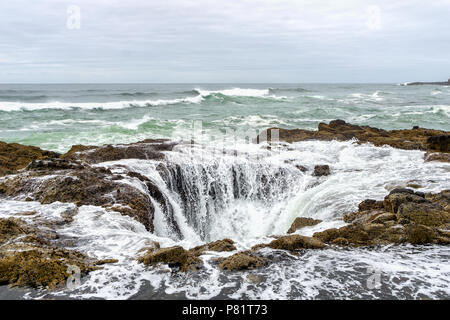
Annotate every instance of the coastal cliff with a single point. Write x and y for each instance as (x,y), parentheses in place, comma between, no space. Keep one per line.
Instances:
(429,83)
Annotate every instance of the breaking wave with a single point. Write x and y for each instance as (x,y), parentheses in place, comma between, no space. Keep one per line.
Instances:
(201,95)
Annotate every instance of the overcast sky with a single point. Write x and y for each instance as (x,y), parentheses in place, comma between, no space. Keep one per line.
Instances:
(224,41)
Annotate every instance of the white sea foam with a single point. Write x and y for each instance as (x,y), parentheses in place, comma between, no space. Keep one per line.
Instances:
(357,172)
(16,106)
(237,92)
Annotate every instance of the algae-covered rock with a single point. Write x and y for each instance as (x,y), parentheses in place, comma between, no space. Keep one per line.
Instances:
(296,242)
(41,267)
(14,156)
(242,261)
(354,234)
(427,214)
(175,256)
(28,257)
(399,196)
(105,261)
(223,245)
(10,228)
(439,143)
(321,170)
(410,139)
(150,149)
(301,222)
(82,186)
(406,216)
(437,156)
(370,204)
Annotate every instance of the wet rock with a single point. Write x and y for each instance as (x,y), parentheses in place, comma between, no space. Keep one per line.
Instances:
(301,168)
(71,154)
(225,245)
(185,260)
(402,190)
(253,278)
(10,228)
(427,214)
(414,185)
(174,257)
(383,218)
(301,222)
(437,156)
(296,242)
(222,245)
(417,138)
(439,143)
(147,150)
(54,164)
(40,268)
(105,261)
(442,198)
(419,234)
(353,234)
(89,186)
(28,258)
(406,216)
(321,170)
(370,204)
(14,156)
(242,261)
(366,210)
(397,197)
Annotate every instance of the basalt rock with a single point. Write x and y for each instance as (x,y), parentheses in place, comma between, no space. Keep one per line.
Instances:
(185,260)
(405,216)
(83,185)
(397,197)
(41,267)
(242,261)
(370,204)
(48,177)
(150,149)
(437,156)
(296,242)
(410,139)
(14,156)
(321,170)
(54,164)
(174,257)
(301,222)
(28,257)
(224,245)
(439,143)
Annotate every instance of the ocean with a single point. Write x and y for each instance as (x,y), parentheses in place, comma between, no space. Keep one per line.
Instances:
(55,117)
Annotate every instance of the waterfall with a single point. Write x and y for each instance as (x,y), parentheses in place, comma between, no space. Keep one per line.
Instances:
(216,197)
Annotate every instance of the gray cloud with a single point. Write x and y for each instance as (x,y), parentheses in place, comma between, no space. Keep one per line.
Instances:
(224,41)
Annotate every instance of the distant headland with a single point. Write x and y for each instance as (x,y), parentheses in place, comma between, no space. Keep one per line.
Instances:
(423,83)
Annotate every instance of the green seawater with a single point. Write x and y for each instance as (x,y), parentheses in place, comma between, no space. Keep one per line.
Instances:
(55,117)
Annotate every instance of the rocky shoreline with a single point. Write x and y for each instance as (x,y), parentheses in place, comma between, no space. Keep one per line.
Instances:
(430,140)
(36,257)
